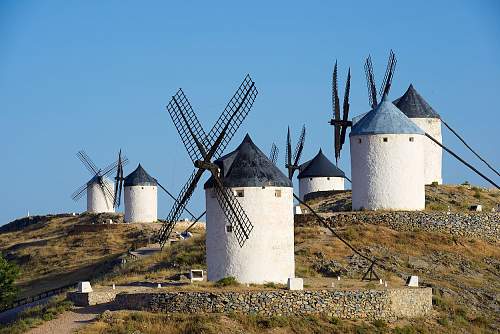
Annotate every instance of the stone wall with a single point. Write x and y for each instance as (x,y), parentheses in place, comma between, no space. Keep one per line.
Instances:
(483,225)
(91,298)
(388,304)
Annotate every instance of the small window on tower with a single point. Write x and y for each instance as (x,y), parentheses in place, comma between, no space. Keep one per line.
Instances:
(229,228)
(277,193)
(310,179)
(359,140)
(239,193)
(411,139)
(328,178)
(385,139)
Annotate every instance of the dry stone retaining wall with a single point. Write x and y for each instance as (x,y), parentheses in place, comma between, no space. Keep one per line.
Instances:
(388,304)
(483,225)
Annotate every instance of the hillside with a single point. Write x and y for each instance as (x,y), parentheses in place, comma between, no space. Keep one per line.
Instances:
(52,252)
(464,272)
(455,198)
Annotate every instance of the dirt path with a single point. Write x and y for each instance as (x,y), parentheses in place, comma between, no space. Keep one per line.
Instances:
(69,321)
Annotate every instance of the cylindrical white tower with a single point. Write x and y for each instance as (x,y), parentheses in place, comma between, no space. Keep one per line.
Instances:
(319,174)
(266,196)
(387,161)
(99,199)
(413,105)
(141,193)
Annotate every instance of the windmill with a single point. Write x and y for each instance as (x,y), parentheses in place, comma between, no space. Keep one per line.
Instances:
(203,148)
(273,155)
(340,124)
(292,162)
(100,195)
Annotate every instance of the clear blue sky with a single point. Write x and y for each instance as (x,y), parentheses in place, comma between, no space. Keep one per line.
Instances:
(97,75)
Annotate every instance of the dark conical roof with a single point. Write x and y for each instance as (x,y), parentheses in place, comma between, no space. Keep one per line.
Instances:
(139,177)
(247,166)
(413,105)
(386,118)
(319,166)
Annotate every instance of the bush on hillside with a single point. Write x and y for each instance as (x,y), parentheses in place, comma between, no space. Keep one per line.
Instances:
(9,272)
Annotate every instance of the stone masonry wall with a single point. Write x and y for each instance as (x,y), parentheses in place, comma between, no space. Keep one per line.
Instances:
(91,298)
(483,225)
(388,304)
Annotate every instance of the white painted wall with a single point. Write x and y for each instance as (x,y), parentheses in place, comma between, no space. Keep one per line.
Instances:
(268,254)
(96,200)
(310,185)
(433,153)
(388,175)
(141,204)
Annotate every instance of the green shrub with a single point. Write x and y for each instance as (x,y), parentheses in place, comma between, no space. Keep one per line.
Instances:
(227,281)
(9,272)
(379,323)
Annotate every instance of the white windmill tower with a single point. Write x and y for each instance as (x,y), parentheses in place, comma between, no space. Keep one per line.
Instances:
(99,190)
(319,174)
(413,105)
(266,196)
(387,161)
(141,197)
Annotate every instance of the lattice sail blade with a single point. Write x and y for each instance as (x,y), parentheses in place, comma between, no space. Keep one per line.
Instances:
(114,166)
(300,146)
(106,190)
(273,156)
(288,154)
(87,162)
(78,193)
(231,118)
(389,73)
(336,111)
(236,216)
(345,110)
(179,206)
(187,125)
(370,83)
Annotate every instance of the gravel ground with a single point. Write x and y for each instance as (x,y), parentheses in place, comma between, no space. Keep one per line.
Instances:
(69,321)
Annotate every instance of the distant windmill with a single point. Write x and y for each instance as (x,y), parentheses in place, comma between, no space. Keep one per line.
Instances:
(340,125)
(203,148)
(99,189)
(292,162)
(273,155)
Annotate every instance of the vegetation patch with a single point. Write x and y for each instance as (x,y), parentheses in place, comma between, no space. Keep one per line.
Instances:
(34,316)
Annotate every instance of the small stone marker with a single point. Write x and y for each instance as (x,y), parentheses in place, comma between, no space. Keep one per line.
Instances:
(385,284)
(84,287)
(412,281)
(338,278)
(196,275)
(114,287)
(159,285)
(295,283)
(380,282)
(333,284)
(298,210)
(477,207)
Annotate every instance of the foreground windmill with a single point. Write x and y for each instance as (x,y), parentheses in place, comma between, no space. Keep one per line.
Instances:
(99,189)
(237,239)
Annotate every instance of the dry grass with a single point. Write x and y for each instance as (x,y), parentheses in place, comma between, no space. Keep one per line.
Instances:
(50,255)
(143,322)
(437,198)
